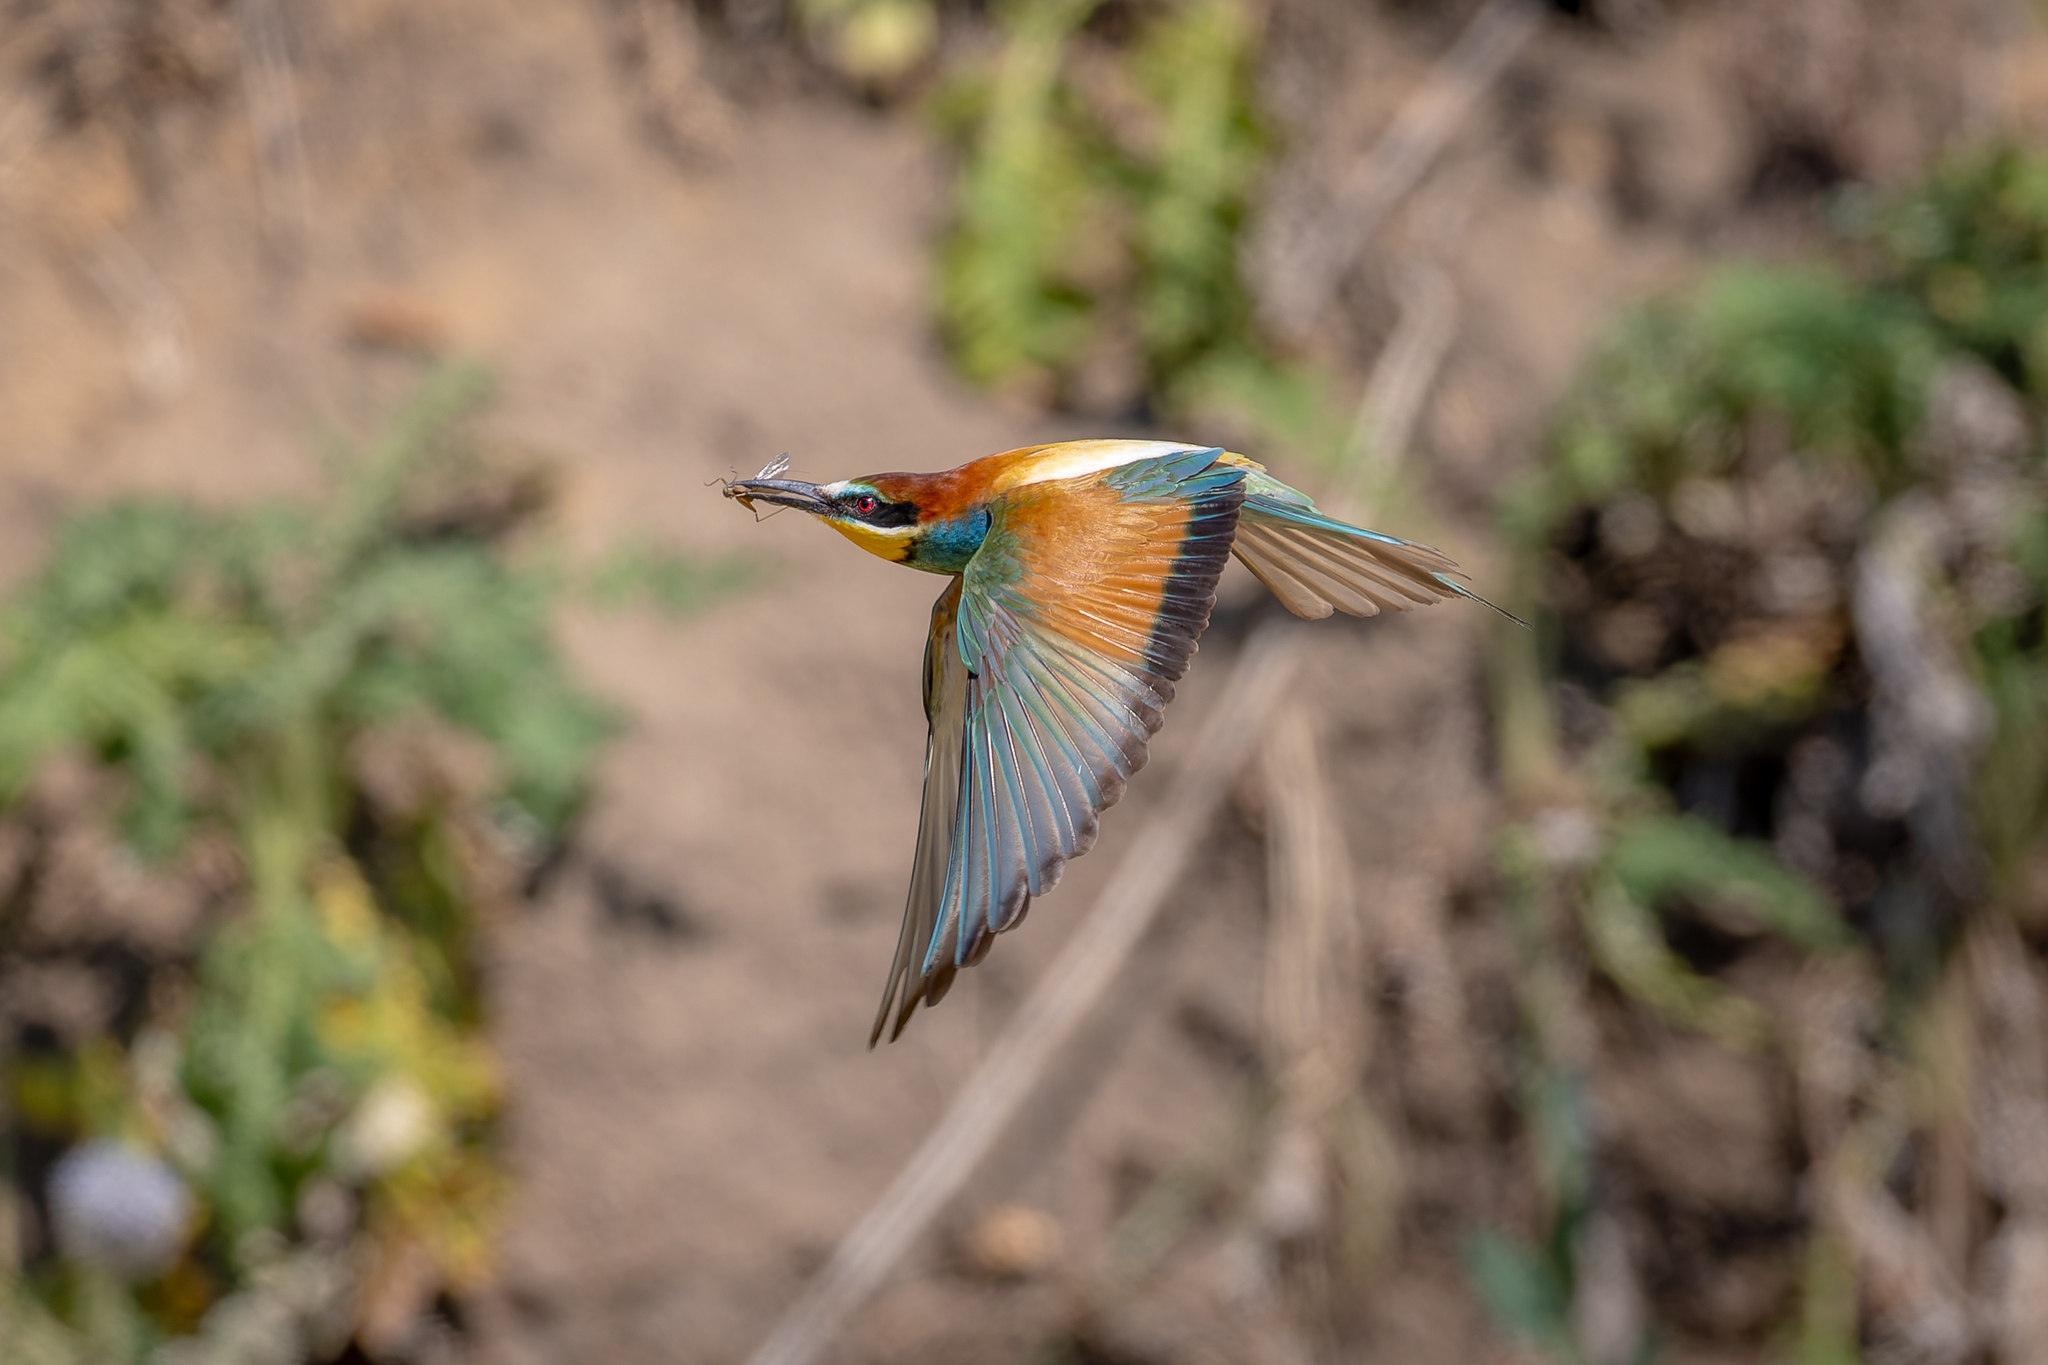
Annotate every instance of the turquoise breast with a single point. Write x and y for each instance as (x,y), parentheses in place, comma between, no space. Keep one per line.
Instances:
(948,545)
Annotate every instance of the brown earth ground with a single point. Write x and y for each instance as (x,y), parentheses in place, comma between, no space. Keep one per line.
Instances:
(683,1013)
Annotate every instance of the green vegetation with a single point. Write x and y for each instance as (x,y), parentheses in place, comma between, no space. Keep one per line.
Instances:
(1100,197)
(344,731)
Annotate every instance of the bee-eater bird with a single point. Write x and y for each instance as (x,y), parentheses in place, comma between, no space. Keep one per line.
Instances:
(1082,574)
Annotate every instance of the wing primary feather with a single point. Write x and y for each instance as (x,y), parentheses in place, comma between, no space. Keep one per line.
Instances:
(978,891)
(1403,561)
(965,895)
(1294,595)
(1260,509)
(1103,725)
(959,868)
(1004,852)
(1356,561)
(1063,793)
(935,987)
(1119,707)
(1348,596)
(913,915)
(1013,823)
(953,912)
(1071,807)
(937,850)
(1140,696)
(1275,552)
(1271,557)
(1013,803)
(1059,707)
(1091,760)
(1050,815)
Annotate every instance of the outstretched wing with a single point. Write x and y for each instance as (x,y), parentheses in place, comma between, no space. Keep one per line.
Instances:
(1314,563)
(945,713)
(1049,664)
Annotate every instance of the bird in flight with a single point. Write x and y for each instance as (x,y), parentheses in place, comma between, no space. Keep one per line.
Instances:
(1082,574)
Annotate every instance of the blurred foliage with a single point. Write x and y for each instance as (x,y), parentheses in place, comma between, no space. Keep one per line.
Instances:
(1026,205)
(362,700)
(1102,188)
(1527,1290)
(1969,251)
(163,639)
(1654,861)
(1675,393)
(1788,700)
(1834,356)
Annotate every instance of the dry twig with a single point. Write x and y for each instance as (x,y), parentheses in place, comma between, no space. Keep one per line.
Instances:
(270,94)
(1401,381)
(159,358)
(1299,262)
(1314,1032)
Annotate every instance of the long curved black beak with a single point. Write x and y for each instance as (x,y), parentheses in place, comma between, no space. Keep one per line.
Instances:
(781,492)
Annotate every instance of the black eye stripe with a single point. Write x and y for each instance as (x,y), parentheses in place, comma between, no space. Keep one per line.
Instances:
(894,514)
(876,511)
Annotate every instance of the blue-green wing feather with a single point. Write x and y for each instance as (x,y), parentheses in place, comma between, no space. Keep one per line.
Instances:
(945,709)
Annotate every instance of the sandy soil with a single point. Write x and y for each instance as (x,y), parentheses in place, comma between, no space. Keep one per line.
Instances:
(684,1012)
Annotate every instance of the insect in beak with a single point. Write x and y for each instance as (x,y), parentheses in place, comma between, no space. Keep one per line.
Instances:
(768,487)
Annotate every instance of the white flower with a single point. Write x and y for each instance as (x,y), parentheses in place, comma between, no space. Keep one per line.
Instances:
(395,1120)
(120,1209)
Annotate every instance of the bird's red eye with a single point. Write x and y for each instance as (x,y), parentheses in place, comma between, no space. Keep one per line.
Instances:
(864,503)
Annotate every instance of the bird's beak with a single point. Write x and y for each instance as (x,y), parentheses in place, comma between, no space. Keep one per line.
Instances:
(781,492)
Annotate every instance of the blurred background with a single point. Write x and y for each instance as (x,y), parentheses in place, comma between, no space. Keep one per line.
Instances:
(448,856)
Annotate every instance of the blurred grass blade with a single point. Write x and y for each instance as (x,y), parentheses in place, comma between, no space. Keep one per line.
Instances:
(1656,859)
